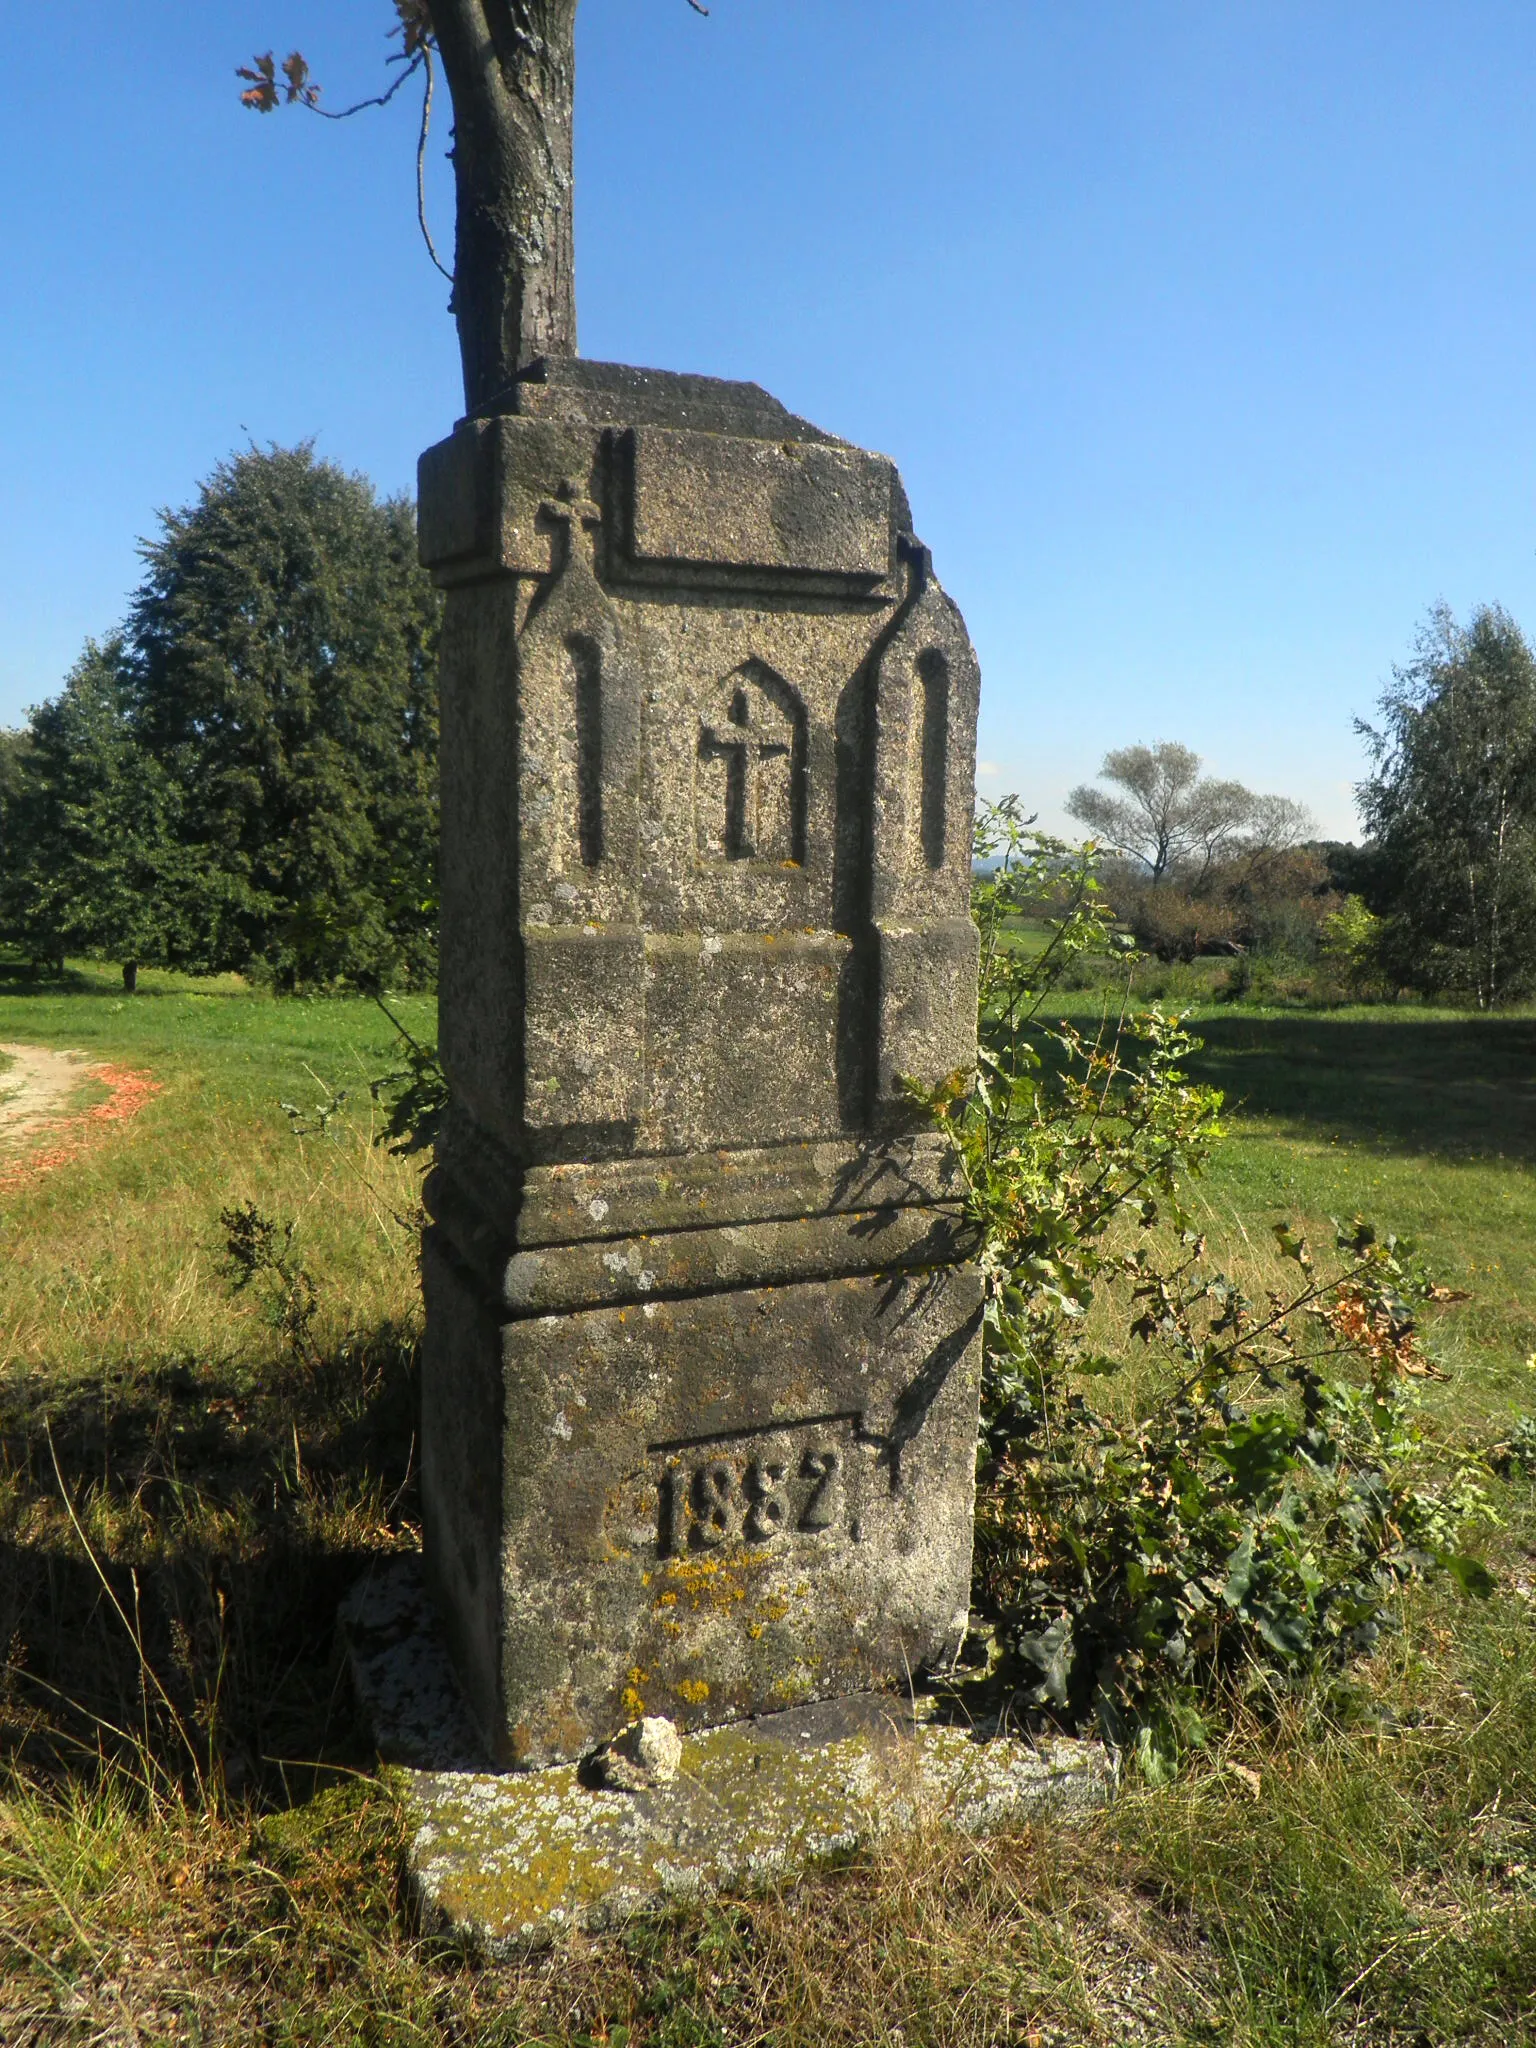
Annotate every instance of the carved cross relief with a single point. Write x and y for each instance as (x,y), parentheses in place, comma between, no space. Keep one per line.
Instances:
(750,802)
(576,512)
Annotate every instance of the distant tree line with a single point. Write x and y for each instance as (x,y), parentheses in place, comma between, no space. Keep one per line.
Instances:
(1441,897)
(1201,865)
(245,774)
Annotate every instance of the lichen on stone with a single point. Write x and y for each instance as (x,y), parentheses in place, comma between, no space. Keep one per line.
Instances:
(513,1861)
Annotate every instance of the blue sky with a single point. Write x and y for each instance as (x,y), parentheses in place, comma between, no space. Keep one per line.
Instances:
(1202,330)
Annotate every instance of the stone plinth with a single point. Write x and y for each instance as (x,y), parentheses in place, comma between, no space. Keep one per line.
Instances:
(699,1397)
(514,1860)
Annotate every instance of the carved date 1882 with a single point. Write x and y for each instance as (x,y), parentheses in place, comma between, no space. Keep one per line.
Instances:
(753,1500)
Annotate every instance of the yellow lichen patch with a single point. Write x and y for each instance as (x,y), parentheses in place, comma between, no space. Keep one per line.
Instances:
(632,1698)
(693,1690)
(715,1583)
(793,1687)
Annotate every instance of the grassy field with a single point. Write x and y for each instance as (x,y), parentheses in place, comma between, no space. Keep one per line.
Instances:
(194,1845)
(1423,1121)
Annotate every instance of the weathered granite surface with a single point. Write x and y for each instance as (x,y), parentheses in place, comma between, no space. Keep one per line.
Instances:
(514,1860)
(699,1395)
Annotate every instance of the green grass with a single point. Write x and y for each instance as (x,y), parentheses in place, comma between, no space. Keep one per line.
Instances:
(255,1048)
(1422,1120)
(112,1258)
(193,1845)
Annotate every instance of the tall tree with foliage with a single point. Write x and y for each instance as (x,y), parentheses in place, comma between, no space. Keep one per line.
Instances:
(14,746)
(92,861)
(1452,807)
(282,652)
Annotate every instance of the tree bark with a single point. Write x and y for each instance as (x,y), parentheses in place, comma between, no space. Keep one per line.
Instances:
(511,69)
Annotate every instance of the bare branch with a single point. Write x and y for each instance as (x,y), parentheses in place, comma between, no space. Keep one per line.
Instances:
(469,58)
(380,99)
(509,66)
(421,166)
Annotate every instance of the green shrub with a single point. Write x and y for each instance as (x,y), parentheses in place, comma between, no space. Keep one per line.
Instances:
(1251,1526)
(1276,981)
(1175,924)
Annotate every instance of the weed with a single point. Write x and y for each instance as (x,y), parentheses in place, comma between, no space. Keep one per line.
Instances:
(257,1252)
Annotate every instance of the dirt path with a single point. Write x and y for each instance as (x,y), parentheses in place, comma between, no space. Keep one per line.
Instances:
(40,1128)
(35,1089)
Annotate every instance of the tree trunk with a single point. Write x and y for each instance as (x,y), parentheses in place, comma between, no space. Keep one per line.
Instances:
(511,68)
(130,977)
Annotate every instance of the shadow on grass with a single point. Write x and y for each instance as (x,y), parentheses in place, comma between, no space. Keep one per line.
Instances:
(29,978)
(1462,1089)
(19,979)
(174,1541)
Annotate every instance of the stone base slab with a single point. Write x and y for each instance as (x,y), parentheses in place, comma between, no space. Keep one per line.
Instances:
(511,1861)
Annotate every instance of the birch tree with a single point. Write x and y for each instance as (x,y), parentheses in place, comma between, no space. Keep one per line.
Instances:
(1452,806)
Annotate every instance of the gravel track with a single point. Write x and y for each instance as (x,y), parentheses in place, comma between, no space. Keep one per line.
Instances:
(35,1089)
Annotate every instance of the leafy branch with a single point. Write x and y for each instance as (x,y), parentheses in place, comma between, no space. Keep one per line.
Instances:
(1250,1522)
(264,95)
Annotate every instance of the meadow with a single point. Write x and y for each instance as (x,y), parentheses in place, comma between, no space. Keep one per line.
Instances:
(195,1844)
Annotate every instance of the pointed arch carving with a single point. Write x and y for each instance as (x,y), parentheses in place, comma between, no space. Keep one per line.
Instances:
(588,683)
(750,771)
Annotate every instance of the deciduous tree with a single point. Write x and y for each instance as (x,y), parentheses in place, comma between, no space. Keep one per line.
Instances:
(92,860)
(14,745)
(247,774)
(1452,806)
(1170,817)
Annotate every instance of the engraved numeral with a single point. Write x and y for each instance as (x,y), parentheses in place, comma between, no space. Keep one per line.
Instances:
(715,1506)
(671,1528)
(758,1500)
(820,1511)
(765,1517)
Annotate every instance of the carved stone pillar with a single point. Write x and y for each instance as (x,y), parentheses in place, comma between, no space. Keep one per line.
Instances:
(700,1388)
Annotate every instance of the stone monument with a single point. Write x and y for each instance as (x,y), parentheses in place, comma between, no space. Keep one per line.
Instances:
(700,1381)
